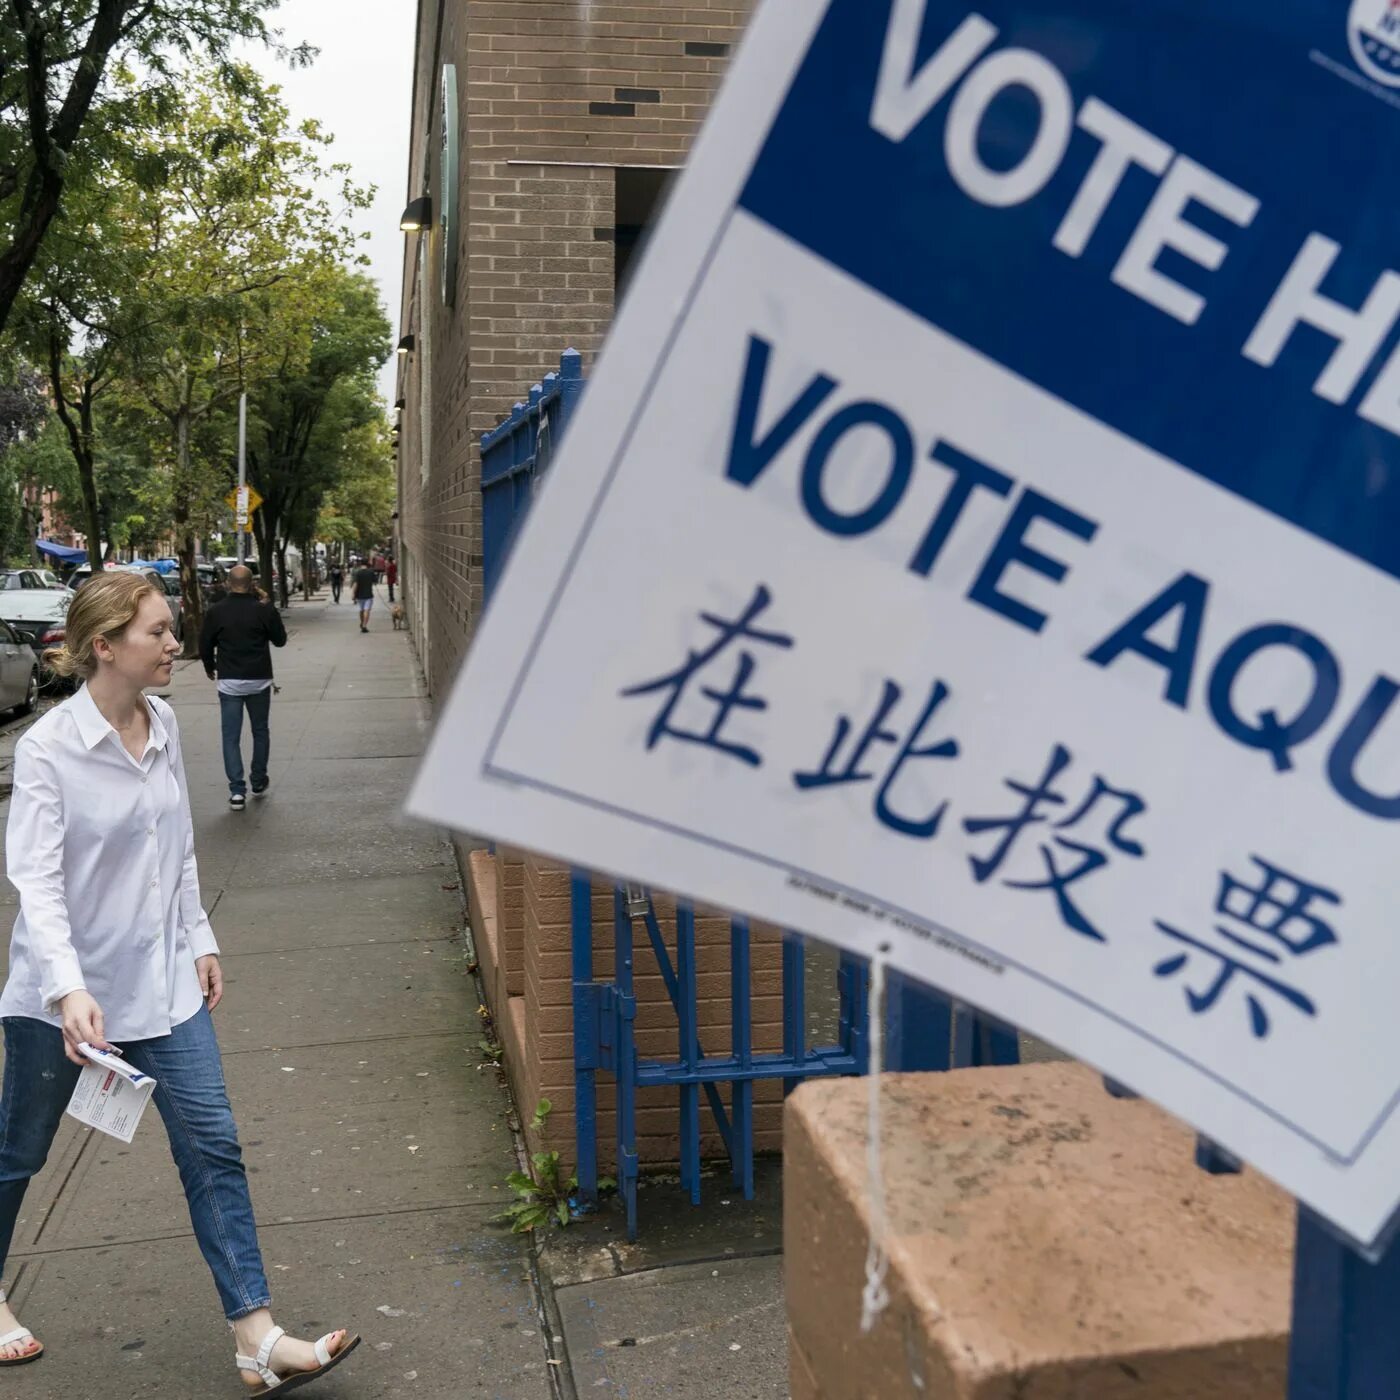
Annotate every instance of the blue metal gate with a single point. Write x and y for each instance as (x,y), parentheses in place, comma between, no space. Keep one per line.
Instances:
(604,1039)
(515,456)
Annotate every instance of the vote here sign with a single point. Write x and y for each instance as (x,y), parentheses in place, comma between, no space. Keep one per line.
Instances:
(982,536)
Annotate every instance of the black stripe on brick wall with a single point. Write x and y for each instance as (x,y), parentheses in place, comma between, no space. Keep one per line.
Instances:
(637,94)
(612,109)
(698,49)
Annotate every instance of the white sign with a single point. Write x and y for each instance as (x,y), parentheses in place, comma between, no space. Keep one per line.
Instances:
(980,539)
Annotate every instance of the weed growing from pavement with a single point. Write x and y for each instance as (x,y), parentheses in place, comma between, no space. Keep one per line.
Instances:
(545,1197)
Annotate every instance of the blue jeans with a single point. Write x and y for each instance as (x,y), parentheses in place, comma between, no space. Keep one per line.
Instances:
(193,1103)
(231,709)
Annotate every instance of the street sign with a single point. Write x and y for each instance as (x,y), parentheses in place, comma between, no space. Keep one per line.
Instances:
(982,539)
(243,509)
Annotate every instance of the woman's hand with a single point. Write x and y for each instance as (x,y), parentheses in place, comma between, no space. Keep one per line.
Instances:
(211,979)
(82,1021)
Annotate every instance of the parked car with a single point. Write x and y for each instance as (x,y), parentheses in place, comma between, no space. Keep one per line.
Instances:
(11,579)
(51,580)
(213,581)
(170,587)
(38,617)
(19,672)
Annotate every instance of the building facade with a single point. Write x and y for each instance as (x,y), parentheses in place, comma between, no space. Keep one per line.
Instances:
(544,135)
(544,132)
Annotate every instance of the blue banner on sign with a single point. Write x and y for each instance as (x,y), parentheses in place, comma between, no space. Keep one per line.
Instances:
(1153,238)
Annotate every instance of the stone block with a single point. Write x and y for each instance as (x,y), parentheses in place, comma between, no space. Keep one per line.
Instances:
(1046,1242)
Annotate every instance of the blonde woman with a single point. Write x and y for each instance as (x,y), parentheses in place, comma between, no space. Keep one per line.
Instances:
(112,947)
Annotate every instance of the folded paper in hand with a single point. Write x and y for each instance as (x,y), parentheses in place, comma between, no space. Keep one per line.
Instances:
(111,1095)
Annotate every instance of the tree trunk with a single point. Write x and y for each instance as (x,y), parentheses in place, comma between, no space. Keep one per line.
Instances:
(79,432)
(189,574)
(282,594)
(308,562)
(266,552)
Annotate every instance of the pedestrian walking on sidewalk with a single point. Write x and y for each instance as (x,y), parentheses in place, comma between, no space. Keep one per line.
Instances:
(364,593)
(391,577)
(235,645)
(337,578)
(112,948)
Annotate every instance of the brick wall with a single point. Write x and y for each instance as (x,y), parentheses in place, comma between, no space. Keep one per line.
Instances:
(553,97)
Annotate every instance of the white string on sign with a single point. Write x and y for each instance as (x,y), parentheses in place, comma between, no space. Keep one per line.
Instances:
(875,1295)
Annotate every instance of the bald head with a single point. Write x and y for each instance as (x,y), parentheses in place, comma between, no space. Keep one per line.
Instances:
(240,579)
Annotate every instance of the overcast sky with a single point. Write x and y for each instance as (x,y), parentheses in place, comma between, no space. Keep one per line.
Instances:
(359,88)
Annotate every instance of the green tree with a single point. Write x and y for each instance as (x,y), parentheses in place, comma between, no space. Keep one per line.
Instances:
(62,108)
(238,256)
(359,508)
(304,417)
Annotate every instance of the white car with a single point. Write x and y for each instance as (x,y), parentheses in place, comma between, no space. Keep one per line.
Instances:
(38,616)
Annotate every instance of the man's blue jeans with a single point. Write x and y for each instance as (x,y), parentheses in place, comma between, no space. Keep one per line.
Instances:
(231,709)
(194,1105)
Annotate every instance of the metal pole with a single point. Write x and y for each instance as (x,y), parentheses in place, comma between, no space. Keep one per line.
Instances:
(240,514)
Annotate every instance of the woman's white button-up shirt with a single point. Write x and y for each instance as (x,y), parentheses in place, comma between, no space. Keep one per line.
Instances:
(100,846)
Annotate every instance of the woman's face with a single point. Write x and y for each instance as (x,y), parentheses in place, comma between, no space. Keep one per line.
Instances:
(145,653)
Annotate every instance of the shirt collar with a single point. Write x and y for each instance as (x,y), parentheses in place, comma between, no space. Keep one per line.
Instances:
(93,727)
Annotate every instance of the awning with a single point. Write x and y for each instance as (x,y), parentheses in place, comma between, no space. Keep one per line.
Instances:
(65,554)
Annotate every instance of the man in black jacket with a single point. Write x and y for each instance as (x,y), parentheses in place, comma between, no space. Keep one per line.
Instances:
(234,645)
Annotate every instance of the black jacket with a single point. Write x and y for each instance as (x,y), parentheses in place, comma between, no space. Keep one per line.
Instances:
(236,635)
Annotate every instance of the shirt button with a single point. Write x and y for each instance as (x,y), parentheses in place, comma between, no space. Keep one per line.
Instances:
(150,831)
(143,777)
(154,883)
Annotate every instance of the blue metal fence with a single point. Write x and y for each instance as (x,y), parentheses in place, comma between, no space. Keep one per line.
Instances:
(515,456)
(604,1039)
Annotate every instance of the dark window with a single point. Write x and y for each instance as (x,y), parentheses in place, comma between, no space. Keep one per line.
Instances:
(697,49)
(639,192)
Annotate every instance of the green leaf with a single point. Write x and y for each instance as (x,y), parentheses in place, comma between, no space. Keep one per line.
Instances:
(561,1212)
(518,1181)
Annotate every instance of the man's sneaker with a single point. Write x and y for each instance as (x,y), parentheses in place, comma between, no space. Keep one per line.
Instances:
(262,787)
(237,801)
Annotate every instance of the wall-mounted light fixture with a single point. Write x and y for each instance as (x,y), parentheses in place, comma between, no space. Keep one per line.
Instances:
(418,215)
(406,345)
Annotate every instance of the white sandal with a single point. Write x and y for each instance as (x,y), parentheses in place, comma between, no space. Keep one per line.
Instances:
(20,1334)
(272,1383)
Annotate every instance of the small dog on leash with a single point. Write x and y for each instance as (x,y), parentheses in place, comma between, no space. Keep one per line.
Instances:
(396,612)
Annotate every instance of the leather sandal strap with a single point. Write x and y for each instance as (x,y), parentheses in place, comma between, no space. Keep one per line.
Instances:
(323,1349)
(20,1334)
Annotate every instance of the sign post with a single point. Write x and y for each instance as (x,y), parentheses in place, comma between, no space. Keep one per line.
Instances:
(990,495)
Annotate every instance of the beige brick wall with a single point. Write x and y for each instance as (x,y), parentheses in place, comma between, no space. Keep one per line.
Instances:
(539,83)
(553,97)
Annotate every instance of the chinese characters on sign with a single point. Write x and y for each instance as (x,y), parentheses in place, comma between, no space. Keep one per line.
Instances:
(1071,833)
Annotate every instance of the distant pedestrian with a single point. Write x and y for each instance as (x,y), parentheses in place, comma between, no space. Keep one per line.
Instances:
(364,593)
(391,574)
(235,645)
(112,948)
(337,578)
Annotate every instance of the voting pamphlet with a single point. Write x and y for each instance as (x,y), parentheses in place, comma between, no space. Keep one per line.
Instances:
(981,537)
(110,1095)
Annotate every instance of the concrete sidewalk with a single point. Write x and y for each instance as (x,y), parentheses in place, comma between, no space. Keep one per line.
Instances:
(377,1143)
